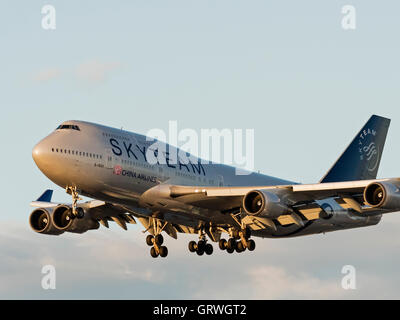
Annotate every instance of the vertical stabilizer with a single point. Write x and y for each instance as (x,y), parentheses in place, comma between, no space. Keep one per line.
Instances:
(360,161)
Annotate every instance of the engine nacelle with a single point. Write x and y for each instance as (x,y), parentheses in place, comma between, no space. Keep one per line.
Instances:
(41,221)
(385,194)
(264,203)
(62,221)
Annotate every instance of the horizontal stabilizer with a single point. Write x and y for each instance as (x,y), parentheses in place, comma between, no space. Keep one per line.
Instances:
(46,196)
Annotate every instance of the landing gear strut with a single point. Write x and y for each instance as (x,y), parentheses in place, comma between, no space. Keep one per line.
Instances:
(201,246)
(156,241)
(76,212)
(239,241)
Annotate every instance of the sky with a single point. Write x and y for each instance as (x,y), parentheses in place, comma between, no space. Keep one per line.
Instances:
(286,69)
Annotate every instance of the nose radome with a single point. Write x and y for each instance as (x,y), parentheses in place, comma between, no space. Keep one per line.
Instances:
(38,152)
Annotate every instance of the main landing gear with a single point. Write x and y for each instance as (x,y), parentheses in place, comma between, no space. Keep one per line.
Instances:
(156,246)
(75,212)
(201,246)
(156,241)
(239,242)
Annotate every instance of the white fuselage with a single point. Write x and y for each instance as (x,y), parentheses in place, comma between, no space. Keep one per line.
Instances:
(113,165)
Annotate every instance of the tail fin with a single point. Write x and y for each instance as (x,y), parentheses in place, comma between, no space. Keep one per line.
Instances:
(360,161)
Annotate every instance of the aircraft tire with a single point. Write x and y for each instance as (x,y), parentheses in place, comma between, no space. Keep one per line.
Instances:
(149,240)
(71,215)
(251,245)
(231,244)
(163,251)
(80,213)
(201,245)
(192,246)
(222,244)
(240,247)
(159,239)
(153,252)
(209,249)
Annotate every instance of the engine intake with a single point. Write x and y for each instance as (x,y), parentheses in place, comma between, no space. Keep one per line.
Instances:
(41,222)
(264,203)
(63,221)
(385,195)
(61,217)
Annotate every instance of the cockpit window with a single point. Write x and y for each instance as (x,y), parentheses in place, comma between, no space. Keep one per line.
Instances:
(68,126)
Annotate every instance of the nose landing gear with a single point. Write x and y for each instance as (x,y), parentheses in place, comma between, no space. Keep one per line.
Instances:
(76,212)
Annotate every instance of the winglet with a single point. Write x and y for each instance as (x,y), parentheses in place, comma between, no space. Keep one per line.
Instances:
(46,196)
(360,161)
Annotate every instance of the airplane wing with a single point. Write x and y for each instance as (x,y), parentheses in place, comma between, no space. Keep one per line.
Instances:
(97,210)
(298,201)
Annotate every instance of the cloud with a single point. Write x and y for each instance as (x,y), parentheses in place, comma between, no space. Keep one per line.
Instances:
(115,264)
(95,71)
(92,72)
(272,282)
(46,75)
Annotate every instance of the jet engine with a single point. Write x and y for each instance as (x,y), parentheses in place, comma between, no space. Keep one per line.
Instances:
(384,195)
(264,203)
(63,221)
(41,221)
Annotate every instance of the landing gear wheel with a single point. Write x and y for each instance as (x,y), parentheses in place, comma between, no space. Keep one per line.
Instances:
(69,215)
(240,247)
(230,250)
(80,213)
(200,251)
(208,249)
(163,251)
(251,245)
(153,252)
(222,244)
(159,239)
(192,246)
(231,244)
(149,240)
(201,245)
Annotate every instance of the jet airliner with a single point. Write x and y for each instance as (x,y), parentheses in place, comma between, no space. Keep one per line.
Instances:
(112,167)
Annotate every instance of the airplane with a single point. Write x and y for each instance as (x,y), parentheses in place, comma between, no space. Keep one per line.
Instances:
(111,166)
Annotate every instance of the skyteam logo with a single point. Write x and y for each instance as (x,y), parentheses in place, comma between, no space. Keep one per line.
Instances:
(368,149)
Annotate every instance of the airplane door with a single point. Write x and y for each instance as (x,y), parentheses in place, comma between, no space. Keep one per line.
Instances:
(220,180)
(108,159)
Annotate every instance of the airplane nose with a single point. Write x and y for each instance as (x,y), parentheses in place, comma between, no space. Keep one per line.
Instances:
(39,153)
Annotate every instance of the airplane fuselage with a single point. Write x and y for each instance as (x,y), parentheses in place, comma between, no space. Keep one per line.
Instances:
(112,165)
